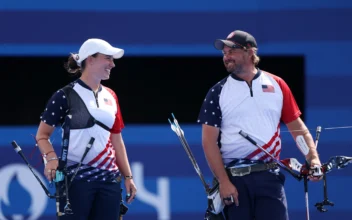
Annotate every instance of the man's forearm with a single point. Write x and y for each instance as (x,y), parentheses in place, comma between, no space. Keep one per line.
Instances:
(297,127)
(313,153)
(213,155)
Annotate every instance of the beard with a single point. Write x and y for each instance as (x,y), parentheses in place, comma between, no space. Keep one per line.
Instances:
(234,68)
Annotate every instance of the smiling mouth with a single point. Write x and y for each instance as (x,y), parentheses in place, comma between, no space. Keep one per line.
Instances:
(230,63)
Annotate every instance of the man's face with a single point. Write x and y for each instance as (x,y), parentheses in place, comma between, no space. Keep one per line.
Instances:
(234,59)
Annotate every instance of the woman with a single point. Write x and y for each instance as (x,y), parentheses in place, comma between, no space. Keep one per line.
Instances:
(95,113)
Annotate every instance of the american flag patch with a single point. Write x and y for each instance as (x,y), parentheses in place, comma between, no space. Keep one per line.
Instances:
(268,88)
(107,101)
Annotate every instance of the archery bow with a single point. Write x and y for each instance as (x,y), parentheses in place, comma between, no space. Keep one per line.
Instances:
(215,203)
(61,172)
(303,171)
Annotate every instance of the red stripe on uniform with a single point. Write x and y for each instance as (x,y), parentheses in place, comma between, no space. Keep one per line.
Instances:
(114,167)
(100,155)
(277,155)
(258,151)
(267,145)
(105,160)
(110,163)
(265,156)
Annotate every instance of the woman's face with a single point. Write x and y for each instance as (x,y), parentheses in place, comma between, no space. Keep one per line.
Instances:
(101,65)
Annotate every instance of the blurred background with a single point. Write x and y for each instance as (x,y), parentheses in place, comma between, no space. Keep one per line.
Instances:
(168,67)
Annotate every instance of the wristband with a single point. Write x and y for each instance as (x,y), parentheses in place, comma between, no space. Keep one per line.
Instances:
(46,154)
(50,159)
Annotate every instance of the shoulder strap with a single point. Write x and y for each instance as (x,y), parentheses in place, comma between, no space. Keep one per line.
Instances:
(67,91)
(73,96)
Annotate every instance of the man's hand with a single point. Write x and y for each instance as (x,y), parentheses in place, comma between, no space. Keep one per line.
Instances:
(228,192)
(315,170)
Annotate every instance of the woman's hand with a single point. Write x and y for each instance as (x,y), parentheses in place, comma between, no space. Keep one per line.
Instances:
(51,167)
(131,189)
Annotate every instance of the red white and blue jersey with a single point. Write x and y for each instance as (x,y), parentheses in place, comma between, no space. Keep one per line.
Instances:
(232,105)
(100,162)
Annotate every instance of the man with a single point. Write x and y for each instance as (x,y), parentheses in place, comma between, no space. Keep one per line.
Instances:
(254,101)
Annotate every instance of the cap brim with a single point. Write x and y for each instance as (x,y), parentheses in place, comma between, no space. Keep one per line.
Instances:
(115,52)
(219,44)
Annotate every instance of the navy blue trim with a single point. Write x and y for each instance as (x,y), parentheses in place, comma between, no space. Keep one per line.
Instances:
(234,76)
(79,81)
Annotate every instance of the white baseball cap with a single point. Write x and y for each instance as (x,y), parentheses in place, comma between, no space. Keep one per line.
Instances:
(93,46)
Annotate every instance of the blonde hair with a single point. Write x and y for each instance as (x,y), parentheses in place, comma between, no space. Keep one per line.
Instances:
(255,58)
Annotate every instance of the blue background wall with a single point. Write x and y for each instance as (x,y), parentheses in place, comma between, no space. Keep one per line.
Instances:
(318,30)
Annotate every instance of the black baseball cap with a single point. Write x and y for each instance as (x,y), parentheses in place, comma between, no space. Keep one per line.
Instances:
(236,39)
